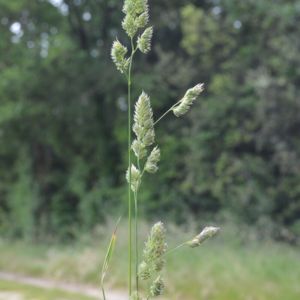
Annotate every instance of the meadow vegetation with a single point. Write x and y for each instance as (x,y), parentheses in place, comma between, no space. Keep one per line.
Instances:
(226,268)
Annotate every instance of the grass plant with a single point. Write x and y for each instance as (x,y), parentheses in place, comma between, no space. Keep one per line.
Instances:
(144,155)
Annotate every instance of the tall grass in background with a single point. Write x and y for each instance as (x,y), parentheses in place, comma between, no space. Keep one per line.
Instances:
(236,266)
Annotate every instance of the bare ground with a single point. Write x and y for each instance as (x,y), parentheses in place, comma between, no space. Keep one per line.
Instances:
(49,284)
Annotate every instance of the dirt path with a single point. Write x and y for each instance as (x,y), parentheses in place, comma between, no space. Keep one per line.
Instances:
(66,287)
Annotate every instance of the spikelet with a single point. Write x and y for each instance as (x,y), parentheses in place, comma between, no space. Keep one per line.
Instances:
(152,161)
(153,256)
(135,7)
(118,52)
(206,233)
(143,19)
(143,125)
(186,102)
(136,16)
(130,26)
(144,271)
(157,287)
(135,177)
(139,149)
(144,41)
(155,247)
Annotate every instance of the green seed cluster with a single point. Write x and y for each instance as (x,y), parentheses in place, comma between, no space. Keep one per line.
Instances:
(143,128)
(157,287)
(143,125)
(136,18)
(186,102)
(153,259)
(135,177)
(144,41)
(152,161)
(118,52)
(205,234)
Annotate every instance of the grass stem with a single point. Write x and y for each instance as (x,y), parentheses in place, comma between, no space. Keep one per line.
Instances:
(164,114)
(129,181)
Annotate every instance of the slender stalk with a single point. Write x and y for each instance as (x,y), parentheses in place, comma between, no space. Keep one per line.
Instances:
(175,248)
(137,235)
(103,292)
(129,81)
(108,256)
(136,241)
(169,110)
(129,181)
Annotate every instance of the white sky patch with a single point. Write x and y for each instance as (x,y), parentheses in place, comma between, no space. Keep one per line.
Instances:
(56,3)
(86,16)
(216,10)
(16,28)
(237,24)
(62,7)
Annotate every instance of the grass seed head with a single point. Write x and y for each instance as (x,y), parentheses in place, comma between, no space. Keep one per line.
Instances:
(186,102)
(144,41)
(206,233)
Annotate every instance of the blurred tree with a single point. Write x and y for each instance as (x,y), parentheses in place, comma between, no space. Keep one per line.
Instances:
(62,112)
(245,152)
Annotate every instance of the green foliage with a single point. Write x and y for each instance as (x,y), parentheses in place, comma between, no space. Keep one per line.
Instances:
(22,200)
(245,143)
(62,114)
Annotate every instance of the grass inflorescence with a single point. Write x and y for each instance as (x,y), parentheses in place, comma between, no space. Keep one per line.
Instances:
(144,154)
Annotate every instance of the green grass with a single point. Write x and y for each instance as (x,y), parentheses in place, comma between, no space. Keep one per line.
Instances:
(222,269)
(31,293)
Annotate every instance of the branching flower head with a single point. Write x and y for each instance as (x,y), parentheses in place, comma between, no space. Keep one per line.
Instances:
(136,16)
(135,7)
(135,25)
(186,102)
(118,52)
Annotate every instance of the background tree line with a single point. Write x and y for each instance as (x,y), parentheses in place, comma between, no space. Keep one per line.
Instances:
(63,114)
